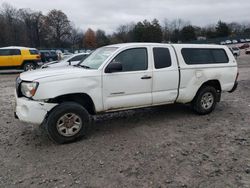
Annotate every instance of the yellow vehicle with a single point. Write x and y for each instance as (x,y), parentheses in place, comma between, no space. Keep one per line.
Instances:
(14,57)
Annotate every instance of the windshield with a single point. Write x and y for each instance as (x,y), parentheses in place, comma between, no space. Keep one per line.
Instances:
(96,59)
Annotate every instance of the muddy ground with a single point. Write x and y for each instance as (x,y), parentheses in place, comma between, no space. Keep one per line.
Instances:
(165,146)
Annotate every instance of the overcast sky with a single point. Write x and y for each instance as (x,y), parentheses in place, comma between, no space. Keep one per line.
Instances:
(109,14)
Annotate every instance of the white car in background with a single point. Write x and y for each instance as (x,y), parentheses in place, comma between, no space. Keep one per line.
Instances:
(242,40)
(67,61)
(234,41)
(235,50)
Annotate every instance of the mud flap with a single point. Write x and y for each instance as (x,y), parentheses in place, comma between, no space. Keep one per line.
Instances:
(234,88)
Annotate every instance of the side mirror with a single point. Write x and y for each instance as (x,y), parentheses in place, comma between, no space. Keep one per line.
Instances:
(69,62)
(113,67)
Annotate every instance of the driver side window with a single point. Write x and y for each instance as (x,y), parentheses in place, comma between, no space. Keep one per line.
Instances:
(135,59)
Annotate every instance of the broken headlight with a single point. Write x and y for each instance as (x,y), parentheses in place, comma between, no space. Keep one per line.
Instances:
(28,89)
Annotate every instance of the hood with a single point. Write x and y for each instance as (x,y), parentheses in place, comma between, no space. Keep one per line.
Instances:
(54,72)
(52,62)
(62,64)
(45,65)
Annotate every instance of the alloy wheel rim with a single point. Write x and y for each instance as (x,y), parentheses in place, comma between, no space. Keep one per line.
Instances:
(207,100)
(29,67)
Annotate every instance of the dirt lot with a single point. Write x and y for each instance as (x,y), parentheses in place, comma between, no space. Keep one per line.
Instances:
(156,147)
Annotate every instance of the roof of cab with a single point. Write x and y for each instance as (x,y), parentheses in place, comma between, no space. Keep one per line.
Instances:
(18,47)
(166,44)
(134,44)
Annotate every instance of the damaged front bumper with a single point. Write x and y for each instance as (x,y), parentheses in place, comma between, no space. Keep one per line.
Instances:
(32,111)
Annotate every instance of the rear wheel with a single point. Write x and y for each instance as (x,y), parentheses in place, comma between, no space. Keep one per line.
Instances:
(29,66)
(67,122)
(205,100)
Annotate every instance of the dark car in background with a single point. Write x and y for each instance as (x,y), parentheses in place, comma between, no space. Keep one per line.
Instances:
(48,56)
(244,46)
(247,51)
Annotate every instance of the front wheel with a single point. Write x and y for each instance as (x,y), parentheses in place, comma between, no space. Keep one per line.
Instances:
(67,122)
(205,100)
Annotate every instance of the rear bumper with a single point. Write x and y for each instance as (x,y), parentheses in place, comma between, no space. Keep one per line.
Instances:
(234,87)
(40,63)
(32,111)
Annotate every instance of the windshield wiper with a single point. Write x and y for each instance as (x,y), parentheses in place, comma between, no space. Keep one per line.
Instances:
(83,66)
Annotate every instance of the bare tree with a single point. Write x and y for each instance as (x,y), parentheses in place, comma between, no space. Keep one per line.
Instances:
(101,38)
(58,27)
(14,30)
(76,38)
(166,31)
(33,24)
(172,29)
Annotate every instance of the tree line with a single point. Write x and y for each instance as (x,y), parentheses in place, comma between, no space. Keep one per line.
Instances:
(25,27)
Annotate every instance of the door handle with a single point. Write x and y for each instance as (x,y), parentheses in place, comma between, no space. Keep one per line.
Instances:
(146,77)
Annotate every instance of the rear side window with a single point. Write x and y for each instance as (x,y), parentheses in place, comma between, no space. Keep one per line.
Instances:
(4,52)
(162,58)
(220,56)
(135,59)
(34,52)
(15,52)
(193,56)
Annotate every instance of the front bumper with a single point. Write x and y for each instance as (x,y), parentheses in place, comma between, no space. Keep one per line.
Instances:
(32,111)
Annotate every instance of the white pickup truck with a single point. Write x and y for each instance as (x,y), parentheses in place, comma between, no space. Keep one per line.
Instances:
(124,76)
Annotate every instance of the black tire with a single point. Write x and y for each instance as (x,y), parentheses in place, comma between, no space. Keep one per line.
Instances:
(198,104)
(55,116)
(28,66)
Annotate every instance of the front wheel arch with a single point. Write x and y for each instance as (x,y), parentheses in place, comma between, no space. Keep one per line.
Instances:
(81,98)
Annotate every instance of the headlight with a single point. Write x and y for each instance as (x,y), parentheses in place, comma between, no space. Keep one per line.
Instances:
(28,89)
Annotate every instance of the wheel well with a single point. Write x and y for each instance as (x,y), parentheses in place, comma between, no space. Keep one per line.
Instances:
(80,98)
(213,83)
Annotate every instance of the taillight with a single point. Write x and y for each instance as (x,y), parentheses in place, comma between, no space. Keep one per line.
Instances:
(38,57)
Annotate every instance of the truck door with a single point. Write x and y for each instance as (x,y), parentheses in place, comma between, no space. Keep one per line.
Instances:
(5,58)
(16,57)
(132,86)
(165,75)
